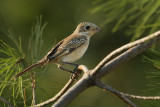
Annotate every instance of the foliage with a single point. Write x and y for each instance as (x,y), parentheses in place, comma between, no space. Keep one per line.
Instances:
(10,55)
(13,60)
(35,41)
(8,68)
(153,57)
(134,15)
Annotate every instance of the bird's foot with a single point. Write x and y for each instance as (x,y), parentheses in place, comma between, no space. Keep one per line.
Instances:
(76,73)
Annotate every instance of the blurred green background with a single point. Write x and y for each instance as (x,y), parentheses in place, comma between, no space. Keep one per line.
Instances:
(63,17)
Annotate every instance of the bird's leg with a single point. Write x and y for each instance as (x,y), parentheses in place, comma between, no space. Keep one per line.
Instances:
(74,73)
(76,66)
(64,69)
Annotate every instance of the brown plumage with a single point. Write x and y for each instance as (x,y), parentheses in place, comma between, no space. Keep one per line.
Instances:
(69,49)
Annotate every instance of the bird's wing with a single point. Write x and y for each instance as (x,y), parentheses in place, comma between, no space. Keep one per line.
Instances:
(66,46)
(54,49)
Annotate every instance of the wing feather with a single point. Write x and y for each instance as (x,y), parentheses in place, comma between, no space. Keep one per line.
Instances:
(66,46)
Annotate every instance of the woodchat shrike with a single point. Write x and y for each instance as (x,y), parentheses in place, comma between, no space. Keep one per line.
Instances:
(69,49)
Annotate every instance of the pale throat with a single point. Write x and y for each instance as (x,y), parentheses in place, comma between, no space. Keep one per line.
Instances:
(85,33)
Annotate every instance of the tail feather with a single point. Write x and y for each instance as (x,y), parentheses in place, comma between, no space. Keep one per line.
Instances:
(25,70)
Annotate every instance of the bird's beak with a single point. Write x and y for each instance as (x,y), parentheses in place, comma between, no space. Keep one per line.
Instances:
(98,29)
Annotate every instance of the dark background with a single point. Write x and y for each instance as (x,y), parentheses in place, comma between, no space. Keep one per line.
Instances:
(63,17)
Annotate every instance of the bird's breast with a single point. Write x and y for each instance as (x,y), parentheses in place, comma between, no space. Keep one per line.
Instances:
(76,54)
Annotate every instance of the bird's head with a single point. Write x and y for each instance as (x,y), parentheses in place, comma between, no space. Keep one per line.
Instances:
(87,28)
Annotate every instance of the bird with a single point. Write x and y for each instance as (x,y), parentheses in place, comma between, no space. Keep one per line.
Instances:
(69,49)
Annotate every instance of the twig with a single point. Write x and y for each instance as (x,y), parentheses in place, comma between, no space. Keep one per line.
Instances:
(74,91)
(124,57)
(141,97)
(32,77)
(112,90)
(122,48)
(115,92)
(5,101)
(66,87)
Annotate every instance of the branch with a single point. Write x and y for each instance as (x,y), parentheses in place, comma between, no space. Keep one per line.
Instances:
(88,79)
(124,57)
(115,92)
(5,101)
(122,48)
(66,87)
(141,97)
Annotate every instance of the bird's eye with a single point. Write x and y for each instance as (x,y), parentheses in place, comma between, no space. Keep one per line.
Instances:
(87,27)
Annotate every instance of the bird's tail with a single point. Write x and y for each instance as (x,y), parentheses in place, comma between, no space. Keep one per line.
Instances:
(28,68)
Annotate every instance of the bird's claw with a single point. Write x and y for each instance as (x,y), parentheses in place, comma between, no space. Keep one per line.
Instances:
(76,73)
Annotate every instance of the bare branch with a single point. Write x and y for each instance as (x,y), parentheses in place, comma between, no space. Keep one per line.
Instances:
(89,78)
(115,92)
(66,87)
(5,101)
(124,57)
(124,47)
(141,97)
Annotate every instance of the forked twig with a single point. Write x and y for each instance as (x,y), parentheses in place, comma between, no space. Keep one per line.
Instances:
(66,87)
(89,78)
